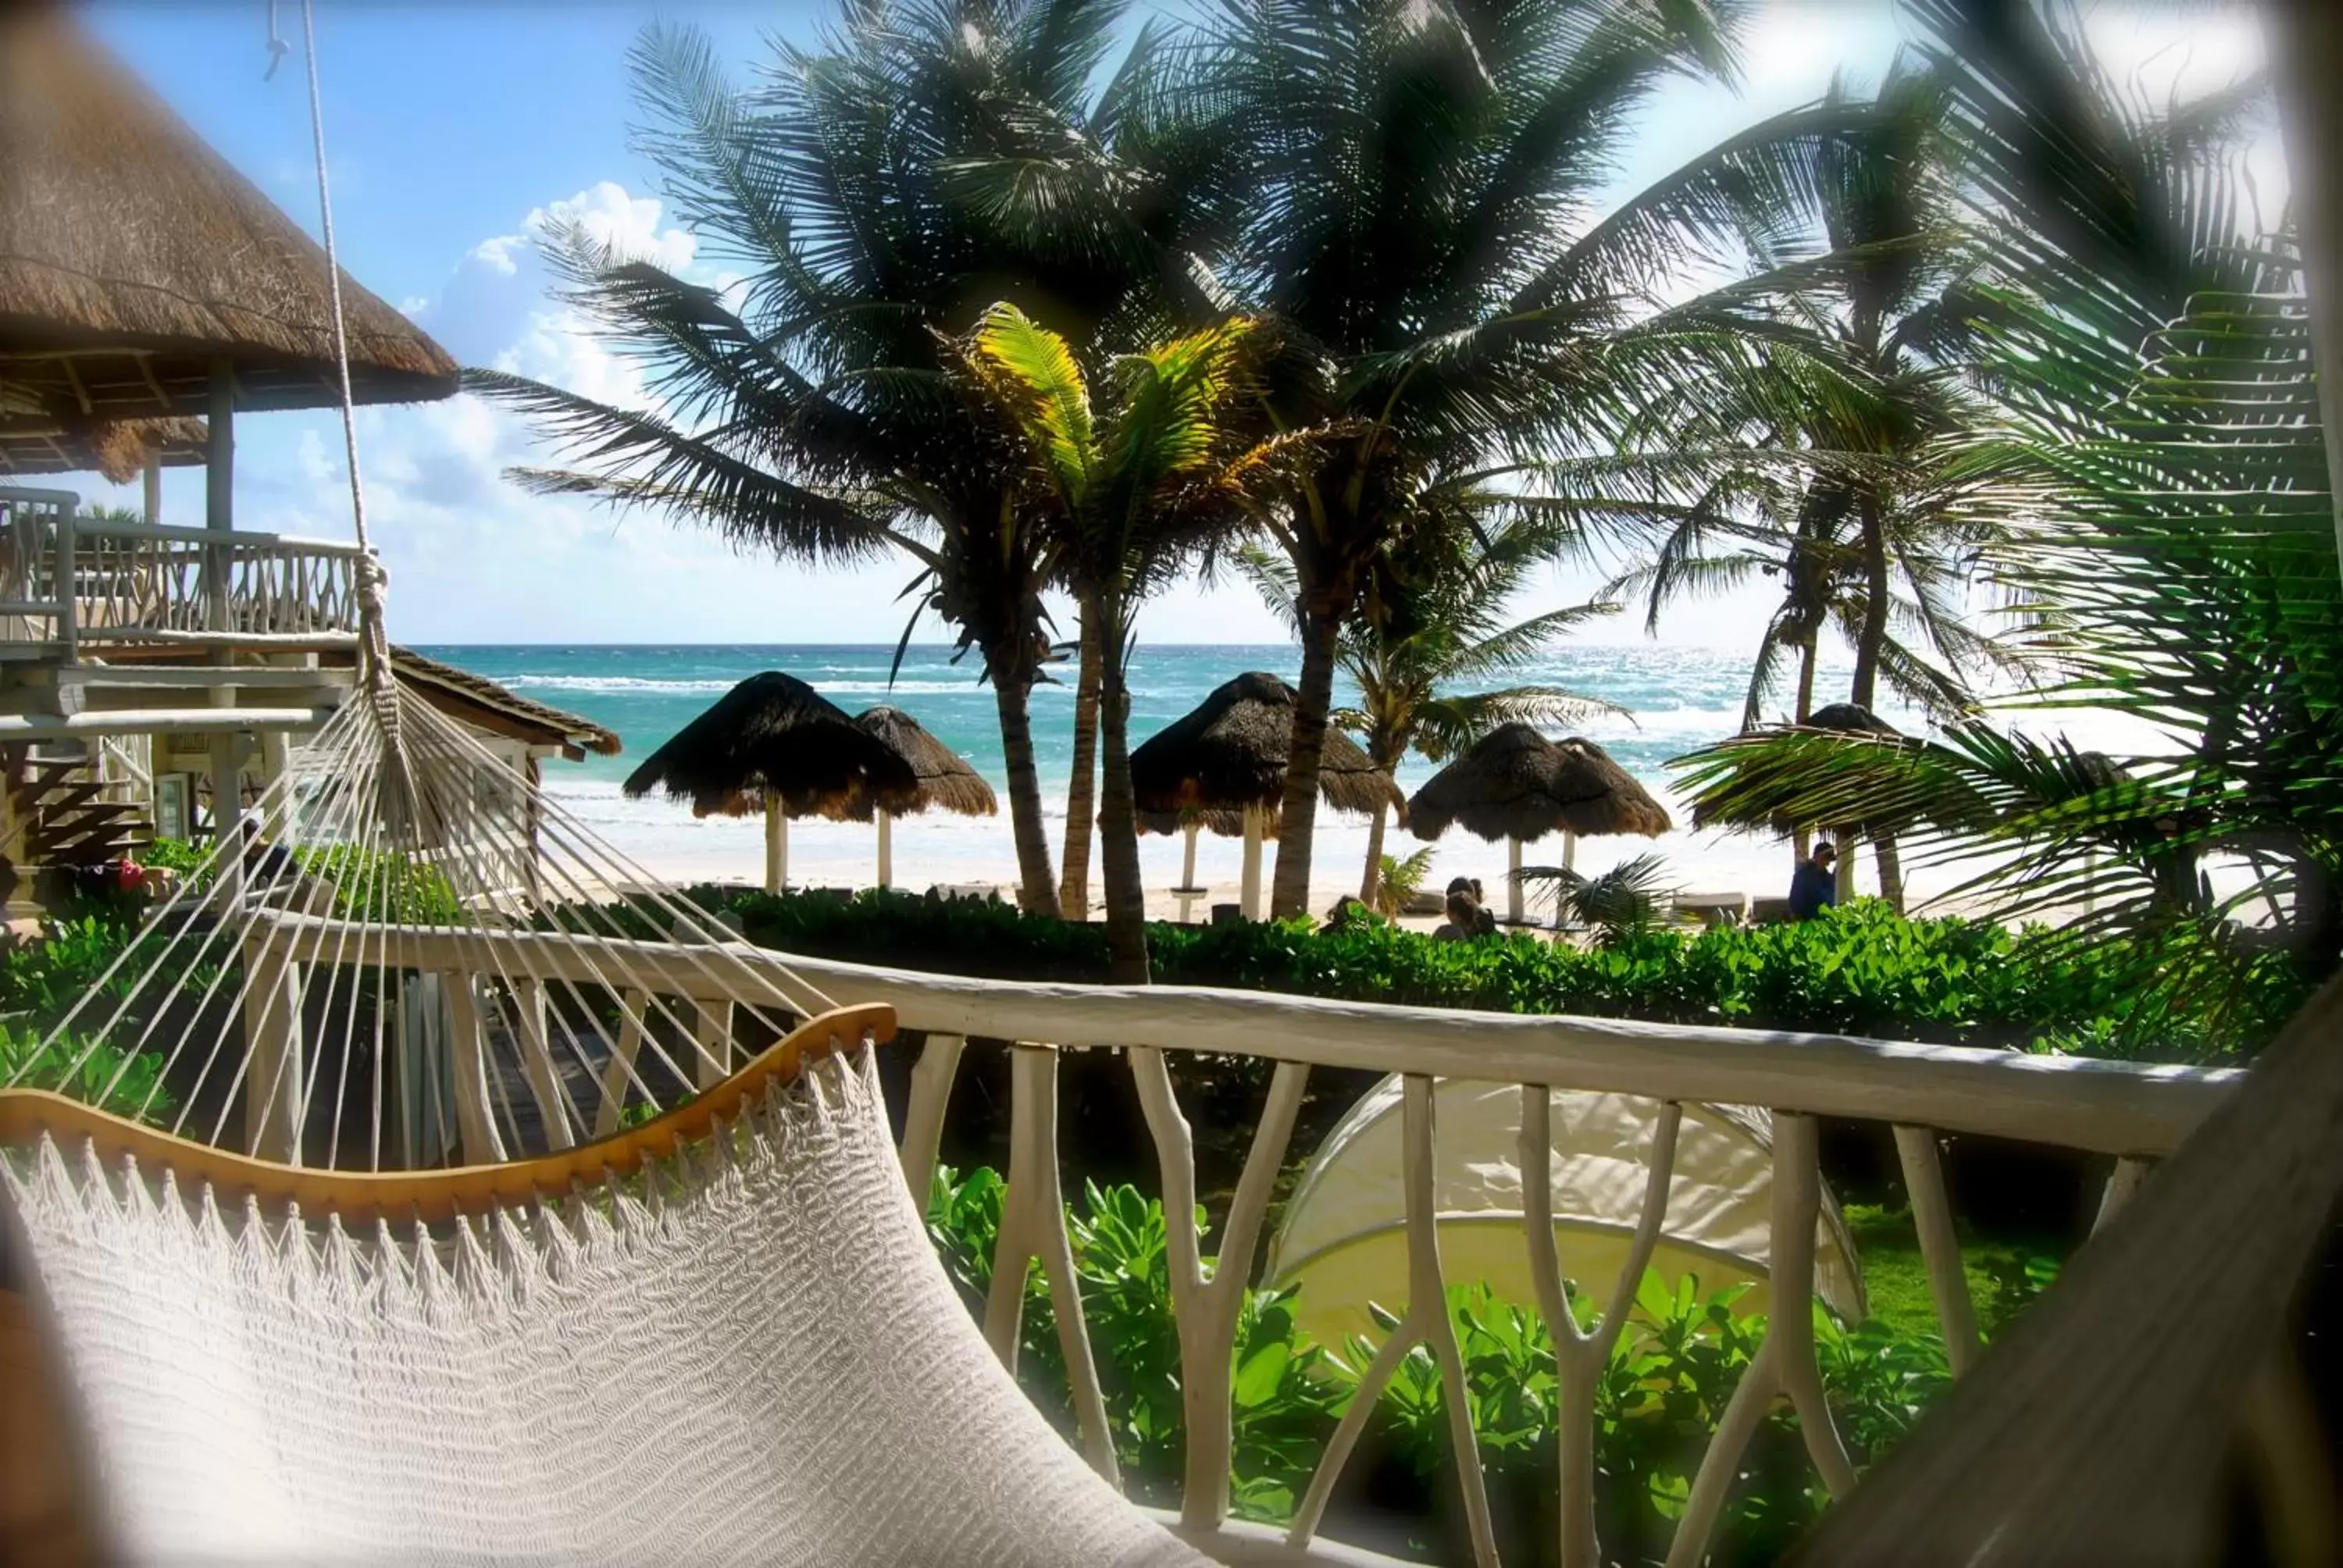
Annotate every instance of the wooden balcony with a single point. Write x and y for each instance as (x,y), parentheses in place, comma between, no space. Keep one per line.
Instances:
(110,627)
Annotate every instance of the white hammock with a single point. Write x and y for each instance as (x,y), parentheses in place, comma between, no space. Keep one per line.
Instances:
(750,1355)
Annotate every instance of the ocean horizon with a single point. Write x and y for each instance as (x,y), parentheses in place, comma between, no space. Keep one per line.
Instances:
(1672,699)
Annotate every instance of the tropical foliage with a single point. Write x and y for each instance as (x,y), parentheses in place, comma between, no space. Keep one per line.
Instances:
(1861,970)
(1656,1401)
(1439,623)
(1926,354)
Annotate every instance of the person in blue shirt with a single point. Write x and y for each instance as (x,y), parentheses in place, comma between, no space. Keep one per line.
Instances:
(1813,886)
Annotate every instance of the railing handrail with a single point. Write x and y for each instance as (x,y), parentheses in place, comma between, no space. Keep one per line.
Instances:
(2079,1102)
(216,540)
(2091,1103)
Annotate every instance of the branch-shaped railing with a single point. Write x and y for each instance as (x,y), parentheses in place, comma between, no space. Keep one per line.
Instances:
(2137,1112)
(67,580)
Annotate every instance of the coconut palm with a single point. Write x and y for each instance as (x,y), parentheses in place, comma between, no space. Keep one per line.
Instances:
(1422,219)
(926,160)
(2181,525)
(1436,621)
(1129,486)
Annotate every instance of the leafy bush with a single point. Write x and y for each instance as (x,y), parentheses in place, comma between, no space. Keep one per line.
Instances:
(380,885)
(1859,970)
(1658,1401)
(92,1072)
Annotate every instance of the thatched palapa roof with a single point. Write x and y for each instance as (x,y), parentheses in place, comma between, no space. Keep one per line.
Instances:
(1514,783)
(477,700)
(1229,752)
(117,449)
(773,735)
(1847,718)
(133,256)
(1227,824)
(944,777)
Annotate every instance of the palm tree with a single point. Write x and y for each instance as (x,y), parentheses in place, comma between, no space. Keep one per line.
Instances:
(1435,620)
(1082,783)
(873,193)
(1132,486)
(2158,493)
(1421,220)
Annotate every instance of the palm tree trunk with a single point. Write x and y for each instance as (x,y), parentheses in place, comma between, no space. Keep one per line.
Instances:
(1126,893)
(1804,839)
(1367,883)
(1037,888)
(1865,688)
(1082,804)
(1891,871)
(1298,814)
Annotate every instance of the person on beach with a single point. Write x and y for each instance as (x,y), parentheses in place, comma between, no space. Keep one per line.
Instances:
(1813,886)
(1484,918)
(1463,922)
(1350,914)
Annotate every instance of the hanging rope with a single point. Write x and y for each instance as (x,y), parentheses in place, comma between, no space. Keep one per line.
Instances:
(372,581)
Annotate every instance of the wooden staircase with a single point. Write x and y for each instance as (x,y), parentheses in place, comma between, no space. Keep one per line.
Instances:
(68,818)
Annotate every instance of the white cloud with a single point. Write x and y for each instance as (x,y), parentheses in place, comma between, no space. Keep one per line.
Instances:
(414,305)
(496,254)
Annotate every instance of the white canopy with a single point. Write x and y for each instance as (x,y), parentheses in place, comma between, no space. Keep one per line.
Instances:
(1344,1238)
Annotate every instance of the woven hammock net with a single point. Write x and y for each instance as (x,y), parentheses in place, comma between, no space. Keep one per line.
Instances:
(411,960)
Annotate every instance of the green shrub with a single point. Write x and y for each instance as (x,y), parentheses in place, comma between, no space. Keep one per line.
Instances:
(1658,1401)
(92,1072)
(1861,970)
(387,886)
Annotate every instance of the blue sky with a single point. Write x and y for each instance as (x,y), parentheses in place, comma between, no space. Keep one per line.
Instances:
(454,129)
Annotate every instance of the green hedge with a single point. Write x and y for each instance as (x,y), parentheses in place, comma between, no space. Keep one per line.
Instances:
(1861,969)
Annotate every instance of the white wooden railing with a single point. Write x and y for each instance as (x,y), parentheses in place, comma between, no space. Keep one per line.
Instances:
(2133,1112)
(67,579)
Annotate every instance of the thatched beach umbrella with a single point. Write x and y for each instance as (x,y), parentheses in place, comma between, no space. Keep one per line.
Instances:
(943,777)
(1516,785)
(774,743)
(1228,753)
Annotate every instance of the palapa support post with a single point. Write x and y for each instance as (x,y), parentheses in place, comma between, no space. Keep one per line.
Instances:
(1513,882)
(1187,892)
(776,847)
(886,849)
(1250,895)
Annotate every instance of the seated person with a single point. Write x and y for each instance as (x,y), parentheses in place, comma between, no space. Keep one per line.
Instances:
(1813,886)
(1463,922)
(1350,914)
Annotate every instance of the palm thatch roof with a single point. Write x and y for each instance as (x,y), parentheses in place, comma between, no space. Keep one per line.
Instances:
(1848,718)
(1514,783)
(773,736)
(132,256)
(117,449)
(1224,823)
(944,777)
(477,700)
(1229,752)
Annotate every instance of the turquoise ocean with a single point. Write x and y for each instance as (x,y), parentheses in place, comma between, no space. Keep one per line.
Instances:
(1674,699)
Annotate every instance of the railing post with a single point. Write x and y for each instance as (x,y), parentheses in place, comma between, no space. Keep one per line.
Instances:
(66,587)
(476,1124)
(1205,1309)
(273,1087)
(1940,1248)
(923,1118)
(1033,1226)
(1785,1362)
